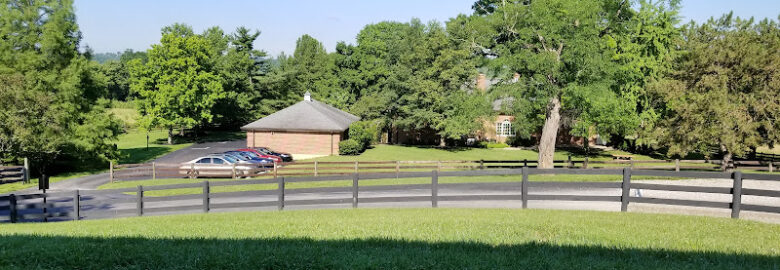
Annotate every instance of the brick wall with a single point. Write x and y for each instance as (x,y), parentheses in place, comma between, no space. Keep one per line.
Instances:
(296,142)
(489,130)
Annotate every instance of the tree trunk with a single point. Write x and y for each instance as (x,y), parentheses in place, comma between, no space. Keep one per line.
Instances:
(726,160)
(170,135)
(549,133)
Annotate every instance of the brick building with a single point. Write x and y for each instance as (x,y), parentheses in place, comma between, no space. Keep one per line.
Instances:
(307,127)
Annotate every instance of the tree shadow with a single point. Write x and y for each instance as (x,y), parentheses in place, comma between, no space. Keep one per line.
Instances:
(141,154)
(62,252)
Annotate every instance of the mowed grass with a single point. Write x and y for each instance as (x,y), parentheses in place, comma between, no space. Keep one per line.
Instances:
(132,145)
(10,187)
(348,183)
(395,239)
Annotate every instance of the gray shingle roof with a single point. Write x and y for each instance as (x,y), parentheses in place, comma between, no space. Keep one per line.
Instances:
(305,116)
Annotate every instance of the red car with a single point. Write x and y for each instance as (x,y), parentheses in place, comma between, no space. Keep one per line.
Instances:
(260,154)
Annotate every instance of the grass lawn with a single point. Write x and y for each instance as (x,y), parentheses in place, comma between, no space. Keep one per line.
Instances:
(348,183)
(10,187)
(395,239)
(133,146)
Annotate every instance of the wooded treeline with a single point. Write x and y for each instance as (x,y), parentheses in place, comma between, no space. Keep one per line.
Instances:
(629,70)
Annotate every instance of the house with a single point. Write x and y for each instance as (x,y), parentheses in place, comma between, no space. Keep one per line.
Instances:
(308,127)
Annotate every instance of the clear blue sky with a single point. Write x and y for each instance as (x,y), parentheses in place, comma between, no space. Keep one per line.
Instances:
(114,25)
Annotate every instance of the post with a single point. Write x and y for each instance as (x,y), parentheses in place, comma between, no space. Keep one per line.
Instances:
(276,175)
(26,171)
(525,162)
(13,211)
(154,171)
(397,168)
(438,165)
(524,187)
(192,170)
(140,201)
(355,190)
(632,163)
(771,167)
(356,167)
(316,165)
(677,165)
(569,163)
(281,192)
(434,189)
(111,171)
(481,164)
(76,205)
(626,189)
(234,171)
(206,199)
(736,191)
(45,209)
(585,163)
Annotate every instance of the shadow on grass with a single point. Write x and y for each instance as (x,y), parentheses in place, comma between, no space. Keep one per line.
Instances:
(160,253)
(141,154)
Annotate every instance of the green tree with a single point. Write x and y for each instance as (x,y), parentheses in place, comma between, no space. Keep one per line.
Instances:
(723,93)
(48,90)
(567,55)
(178,86)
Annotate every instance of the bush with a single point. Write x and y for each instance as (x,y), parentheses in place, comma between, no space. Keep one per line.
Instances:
(350,147)
(492,145)
(365,132)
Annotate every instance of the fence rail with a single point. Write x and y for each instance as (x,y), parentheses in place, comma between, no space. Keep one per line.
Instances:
(324,168)
(10,174)
(141,201)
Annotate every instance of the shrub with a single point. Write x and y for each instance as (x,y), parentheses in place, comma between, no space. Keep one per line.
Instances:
(484,144)
(350,147)
(365,132)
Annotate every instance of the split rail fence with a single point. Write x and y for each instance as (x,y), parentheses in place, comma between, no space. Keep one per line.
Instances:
(142,200)
(153,171)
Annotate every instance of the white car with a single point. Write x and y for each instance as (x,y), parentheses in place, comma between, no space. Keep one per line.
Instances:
(216,166)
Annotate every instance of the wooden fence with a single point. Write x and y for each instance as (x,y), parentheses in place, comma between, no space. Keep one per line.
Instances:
(323,168)
(80,204)
(10,174)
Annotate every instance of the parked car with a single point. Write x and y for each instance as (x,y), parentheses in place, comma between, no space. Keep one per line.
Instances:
(286,157)
(216,166)
(251,156)
(241,159)
(260,154)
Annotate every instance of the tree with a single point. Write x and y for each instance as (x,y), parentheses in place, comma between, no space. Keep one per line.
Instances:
(48,90)
(723,93)
(566,52)
(179,85)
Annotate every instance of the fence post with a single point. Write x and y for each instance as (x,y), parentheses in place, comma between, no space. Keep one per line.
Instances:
(736,191)
(438,165)
(281,192)
(140,201)
(234,171)
(12,205)
(525,162)
(434,189)
(397,168)
(275,171)
(626,189)
(771,167)
(316,165)
(632,164)
(677,165)
(26,171)
(585,163)
(76,205)
(206,199)
(154,170)
(524,187)
(569,163)
(111,171)
(481,164)
(356,167)
(192,171)
(355,190)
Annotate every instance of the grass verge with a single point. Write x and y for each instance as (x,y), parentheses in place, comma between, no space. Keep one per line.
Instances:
(395,238)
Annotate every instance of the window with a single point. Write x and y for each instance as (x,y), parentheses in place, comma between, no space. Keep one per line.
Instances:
(204,161)
(219,161)
(504,129)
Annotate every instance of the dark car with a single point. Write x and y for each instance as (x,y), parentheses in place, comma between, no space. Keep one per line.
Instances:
(286,157)
(247,155)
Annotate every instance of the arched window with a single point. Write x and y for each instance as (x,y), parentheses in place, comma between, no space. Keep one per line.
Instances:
(504,129)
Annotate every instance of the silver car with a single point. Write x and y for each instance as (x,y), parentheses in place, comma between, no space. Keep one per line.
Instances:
(216,166)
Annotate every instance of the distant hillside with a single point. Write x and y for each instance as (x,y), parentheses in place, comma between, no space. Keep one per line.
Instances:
(104,57)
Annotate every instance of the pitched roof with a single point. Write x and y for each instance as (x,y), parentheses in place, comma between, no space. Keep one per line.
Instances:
(305,116)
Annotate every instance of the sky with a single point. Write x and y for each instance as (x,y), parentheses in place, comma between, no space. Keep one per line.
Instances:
(116,25)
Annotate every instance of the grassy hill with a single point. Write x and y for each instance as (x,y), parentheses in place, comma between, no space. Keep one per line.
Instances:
(395,238)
